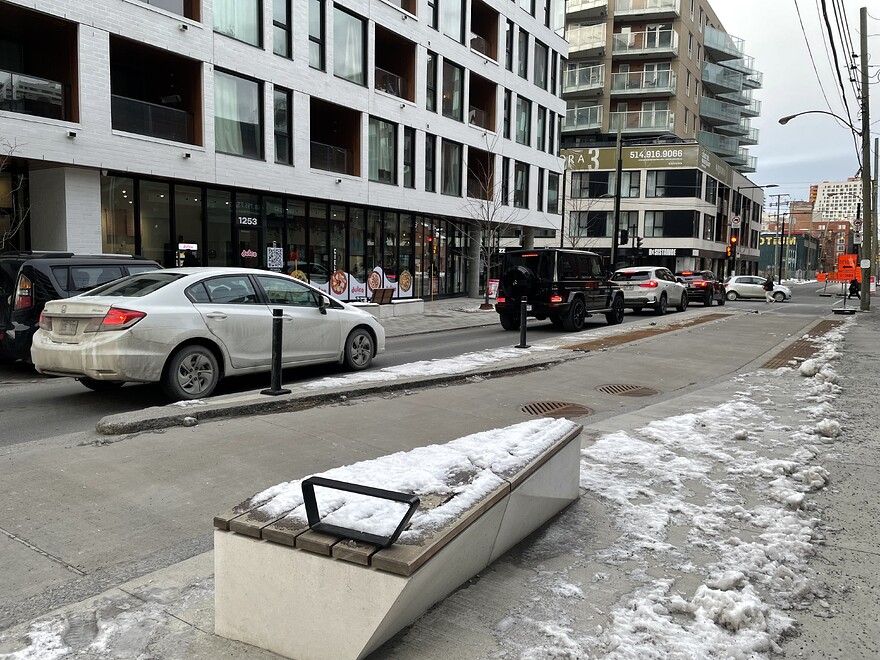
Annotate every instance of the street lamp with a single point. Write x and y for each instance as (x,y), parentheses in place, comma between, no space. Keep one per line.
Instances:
(788,118)
(739,212)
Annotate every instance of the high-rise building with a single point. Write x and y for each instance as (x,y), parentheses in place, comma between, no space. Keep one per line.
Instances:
(308,136)
(665,78)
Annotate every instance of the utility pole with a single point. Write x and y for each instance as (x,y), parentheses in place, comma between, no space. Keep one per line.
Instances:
(615,229)
(780,233)
(868,235)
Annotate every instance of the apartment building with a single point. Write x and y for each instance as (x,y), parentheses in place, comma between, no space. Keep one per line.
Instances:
(666,79)
(340,142)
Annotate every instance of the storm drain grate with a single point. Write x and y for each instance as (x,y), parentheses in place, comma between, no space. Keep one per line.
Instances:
(555,409)
(802,348)
(627,390)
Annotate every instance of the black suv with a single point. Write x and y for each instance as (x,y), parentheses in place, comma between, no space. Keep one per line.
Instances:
(564,286)
(703,286)
(28,280)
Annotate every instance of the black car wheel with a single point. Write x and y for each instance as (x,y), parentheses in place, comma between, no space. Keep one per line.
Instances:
(510,321)
(101,385)
(574,320)
(683,303)
(358,349)
(708,301)
(191,373)
(615,316)
(662,305)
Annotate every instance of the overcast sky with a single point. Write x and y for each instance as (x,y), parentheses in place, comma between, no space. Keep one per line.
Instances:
(812,148)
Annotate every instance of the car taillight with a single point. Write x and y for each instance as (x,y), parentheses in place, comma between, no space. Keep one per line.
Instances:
(651,284)
(24,298)
(501,299)
(701,283)
(556,298)
(117,318)
(45,322)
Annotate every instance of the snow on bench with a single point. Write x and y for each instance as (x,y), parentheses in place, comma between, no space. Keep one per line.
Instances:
(304,594)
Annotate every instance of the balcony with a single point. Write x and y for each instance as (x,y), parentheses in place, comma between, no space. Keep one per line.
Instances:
(391,83)
(331,158)
(753,109)
(394,68)
(719,144)
(586,40)
(647,9)
(721,46)
(719,79)
(151,119)
(30,95)
(750,138)
(643,121)
(585,9)
(652,43)
(644,83)
(753,80)
(717,112)
(481,46)
(736,130)
(481,118)
(583,118)
(583,79)
(484,29)
(737,98)
(186,8)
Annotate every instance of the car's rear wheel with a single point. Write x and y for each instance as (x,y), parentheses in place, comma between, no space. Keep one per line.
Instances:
(732,295)
(615,316)
(510,321)
(358,349)
(191,373)
(662,305)
(707,302)
(574,320)
(779,296)
(683,303)
(101,385)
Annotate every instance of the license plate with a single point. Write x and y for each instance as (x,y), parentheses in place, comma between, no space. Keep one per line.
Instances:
(67,328)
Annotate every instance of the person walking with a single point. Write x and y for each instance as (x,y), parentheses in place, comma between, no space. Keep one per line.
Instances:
(855,288)
(768,289)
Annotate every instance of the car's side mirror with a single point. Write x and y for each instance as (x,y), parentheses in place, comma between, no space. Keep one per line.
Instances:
(323,303)
(679,280)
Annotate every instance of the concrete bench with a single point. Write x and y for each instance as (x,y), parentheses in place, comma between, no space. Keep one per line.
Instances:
(282,586)
(398,307)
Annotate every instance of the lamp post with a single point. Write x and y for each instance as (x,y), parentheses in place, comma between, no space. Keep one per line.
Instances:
(739,214)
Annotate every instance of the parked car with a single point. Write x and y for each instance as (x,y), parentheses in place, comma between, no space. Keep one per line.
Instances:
(187,328)
(653,287)
(565,286)
(28,280)
(703,286)
(752,286)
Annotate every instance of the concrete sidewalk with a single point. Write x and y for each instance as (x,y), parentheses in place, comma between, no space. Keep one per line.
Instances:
(168,613)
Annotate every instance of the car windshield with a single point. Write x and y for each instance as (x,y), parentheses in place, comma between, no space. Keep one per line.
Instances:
(540,263)
(136,286)
(631,276)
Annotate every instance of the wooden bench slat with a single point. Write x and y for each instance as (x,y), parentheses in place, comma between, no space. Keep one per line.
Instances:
(285,530)
(354,552)
(321,544)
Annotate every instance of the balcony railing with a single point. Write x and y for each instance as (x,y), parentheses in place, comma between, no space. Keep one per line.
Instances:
(650,42)
(583,78)
(721,79)
(647,8)
(575,7)
(31,95)
(719,144)
(331,158)
(479,117)
(643,120)
(583,118)
(650,82)
(718,111)
(151,119)
(753,109)
(478,189)
(481,45)
(751,137)
(585,37)
(722,45)
(391,83)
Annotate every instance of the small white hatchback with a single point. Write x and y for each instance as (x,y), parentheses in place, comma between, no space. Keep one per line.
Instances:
(654,287)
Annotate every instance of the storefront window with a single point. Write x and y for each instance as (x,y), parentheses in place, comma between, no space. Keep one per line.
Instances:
(296,234)
(248,214)
(274,233)
(219,244)
(319,260)
(405,255)
(338,262)
(155,222)
(188,223)
(373,256)
(389,263)
(117,214)
(356,248)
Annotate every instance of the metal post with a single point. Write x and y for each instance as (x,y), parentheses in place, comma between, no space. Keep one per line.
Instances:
(522,323)
(615,229)
(869,229)
(276,388)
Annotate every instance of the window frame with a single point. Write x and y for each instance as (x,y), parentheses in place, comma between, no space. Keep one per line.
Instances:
(287,28)
(340,9)
(461,71)
(318,40)
(260,113)
(375,121)
(521,196)
(431,82)
(288,135)
(409,157)
(259,26)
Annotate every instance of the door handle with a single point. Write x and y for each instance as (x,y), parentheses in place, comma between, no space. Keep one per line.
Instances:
(216,315)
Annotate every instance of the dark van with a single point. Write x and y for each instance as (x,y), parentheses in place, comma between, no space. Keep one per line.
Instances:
(28,280)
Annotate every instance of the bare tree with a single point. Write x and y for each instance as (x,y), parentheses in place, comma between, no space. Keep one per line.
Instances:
(11,198)
(574,234)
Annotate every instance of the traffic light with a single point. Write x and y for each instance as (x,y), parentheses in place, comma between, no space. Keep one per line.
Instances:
(624,237)
(638,241)
(731,249)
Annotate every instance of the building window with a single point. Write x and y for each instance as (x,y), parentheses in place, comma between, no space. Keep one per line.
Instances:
(505,181)
(450,164)
(383,151)
(522,67)
(431,83)
(690,45)
(508,46)
(508,100)
(433,14)
(687,82)
(452,18)
(521,185)
(283,127)
(238,128)
(281,28)
(430,162)
(540,78)
(700,24)
(551,134)
(692,9)
(674,183)
(527,5)
(523,120)
(453,90)
(540,189)
(672,224)
(554,64)
(239,19)
(349,51)
(553,193)
(547,12)
(541,133)
(629,183)
(409,157)
(316,34)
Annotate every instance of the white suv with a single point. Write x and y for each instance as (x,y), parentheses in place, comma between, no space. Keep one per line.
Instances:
(651,286)
(752,286)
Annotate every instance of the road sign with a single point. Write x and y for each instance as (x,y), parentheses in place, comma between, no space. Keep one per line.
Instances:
(735,222)
(857,238)
(857,224)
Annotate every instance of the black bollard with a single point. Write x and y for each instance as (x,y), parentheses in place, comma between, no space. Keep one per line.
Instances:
(522,323)
(276,388)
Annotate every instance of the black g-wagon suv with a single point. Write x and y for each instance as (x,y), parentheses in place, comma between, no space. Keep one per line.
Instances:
(28,280)
(565,286)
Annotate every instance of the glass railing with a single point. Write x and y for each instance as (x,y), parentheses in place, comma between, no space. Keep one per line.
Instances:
(583,77)
(721,77)
(644,42)
(751,137)
(391,83)
(719,144)
(575,6)
(583,117)
(642,120)
(714,109)
(477,188)
(753,109)
(755,79)
(751,164)
(151,119)
(585,37)
(331,158)
(646,7)
(179,7)
(31,95)
(478,117)
(481,45)
(643,81)
(721,42)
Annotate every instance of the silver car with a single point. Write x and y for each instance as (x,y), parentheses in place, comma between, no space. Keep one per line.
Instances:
(654,287)
(187,328)
(752,286)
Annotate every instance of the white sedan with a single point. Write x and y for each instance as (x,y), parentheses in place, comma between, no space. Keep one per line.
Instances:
(752,286)
(187,328)
(651,286)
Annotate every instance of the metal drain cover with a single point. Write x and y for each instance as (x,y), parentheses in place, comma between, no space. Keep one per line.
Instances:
(627,390)
(555,409)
